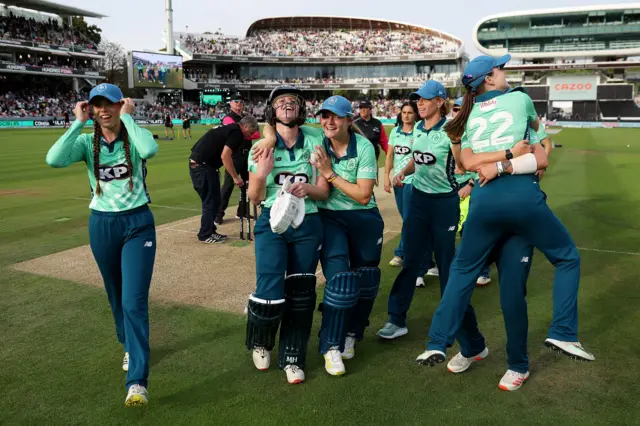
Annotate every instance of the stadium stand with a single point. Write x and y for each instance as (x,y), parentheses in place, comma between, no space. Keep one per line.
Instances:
(14,26)
(318,43)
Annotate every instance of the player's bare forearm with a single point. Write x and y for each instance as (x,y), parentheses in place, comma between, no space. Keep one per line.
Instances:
(319,191)
(361,192)
(409,168)
(546,142)
(257,190)
(388,164)
(472,161)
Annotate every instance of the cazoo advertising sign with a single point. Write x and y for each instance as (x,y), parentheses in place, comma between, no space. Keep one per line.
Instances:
(573,88)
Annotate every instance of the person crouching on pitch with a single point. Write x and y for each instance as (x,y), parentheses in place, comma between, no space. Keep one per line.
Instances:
(286,260)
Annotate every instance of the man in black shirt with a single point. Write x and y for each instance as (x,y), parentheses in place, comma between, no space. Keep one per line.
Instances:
(372,128)
(240,158)
(213,150)
(186,124)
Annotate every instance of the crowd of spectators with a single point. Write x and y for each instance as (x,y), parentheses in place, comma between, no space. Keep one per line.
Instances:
(200,76)
(319,43)
(37,103)
(15,27)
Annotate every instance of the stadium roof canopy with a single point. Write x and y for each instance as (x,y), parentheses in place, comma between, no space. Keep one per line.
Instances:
(342,22)
(51,7)
(611,30)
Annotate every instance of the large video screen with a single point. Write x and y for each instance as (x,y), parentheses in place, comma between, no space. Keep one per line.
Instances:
(157,71)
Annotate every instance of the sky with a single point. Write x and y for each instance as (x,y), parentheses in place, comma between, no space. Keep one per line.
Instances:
(138,24)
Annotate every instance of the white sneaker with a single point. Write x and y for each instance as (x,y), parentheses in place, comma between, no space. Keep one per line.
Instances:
(512,381)
(431,358)
(396,261)
(125,362)
(483,281)
(349,348)
(433,272)
(420,282)
(572,349)
(295,374)
(333,362)
(261,358)
(136,396)
(459,363)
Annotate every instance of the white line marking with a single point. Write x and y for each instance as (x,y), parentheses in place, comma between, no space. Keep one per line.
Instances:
(150,205)
(609,251)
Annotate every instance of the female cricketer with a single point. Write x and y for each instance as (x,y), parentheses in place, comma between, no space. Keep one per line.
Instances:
(507,202)
(401,143)
(466,182)
(352,230)
(121,226)
(286,263)
(434,211)
(353,233)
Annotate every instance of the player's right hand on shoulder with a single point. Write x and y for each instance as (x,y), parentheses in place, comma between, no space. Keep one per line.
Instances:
(81,111)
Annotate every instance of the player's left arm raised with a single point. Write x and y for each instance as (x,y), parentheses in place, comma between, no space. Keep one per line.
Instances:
(141,139)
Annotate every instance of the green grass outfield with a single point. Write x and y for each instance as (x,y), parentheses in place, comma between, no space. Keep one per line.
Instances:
(60,361)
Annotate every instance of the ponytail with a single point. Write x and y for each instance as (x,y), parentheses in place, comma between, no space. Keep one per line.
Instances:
(455,128)
(97,135)
(127,153)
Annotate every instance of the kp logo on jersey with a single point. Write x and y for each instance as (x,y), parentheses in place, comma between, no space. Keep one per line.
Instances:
(425,158)
(109,173)
(401,150)
(280,178)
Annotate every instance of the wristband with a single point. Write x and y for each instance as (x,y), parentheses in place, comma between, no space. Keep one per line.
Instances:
(524,165)
(332,177)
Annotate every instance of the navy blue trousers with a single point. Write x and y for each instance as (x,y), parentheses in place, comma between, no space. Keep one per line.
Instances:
(124,247)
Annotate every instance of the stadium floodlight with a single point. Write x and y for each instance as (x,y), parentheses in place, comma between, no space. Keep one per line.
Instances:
(168,10)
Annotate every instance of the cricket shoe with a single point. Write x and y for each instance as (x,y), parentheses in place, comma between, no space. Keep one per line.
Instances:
(215,238)
(391,331)
(125,362)
(482,281)
(420,282)
(396,261)
(433,272)
(431,358)
(261,358)
(571,349)
(136,396)
(333,362)
(512,380)
(295,374)
(349,348)
(460,363)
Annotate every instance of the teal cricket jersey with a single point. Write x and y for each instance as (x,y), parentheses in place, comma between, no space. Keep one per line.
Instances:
(291,162)
(115,195)
(402,145)
(498,120)
(358,163)
(434,162)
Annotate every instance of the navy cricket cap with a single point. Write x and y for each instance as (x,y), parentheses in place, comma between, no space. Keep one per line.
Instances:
(237,97)
(429,90)
(108,91)
(338,105)
(480,67)
(365,104)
